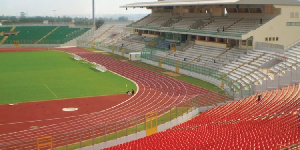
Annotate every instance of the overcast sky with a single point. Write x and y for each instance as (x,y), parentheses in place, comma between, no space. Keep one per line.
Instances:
(67,7)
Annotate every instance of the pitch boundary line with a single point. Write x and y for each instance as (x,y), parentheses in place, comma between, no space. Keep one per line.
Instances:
(50,90)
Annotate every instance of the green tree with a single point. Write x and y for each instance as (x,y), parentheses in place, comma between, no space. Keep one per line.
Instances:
(123,18)
(99,23)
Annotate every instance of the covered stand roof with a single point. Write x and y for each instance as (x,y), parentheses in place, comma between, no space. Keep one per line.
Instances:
(212,2)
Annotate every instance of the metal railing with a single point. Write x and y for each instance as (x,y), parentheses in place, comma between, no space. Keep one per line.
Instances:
(233,88)
(190,31)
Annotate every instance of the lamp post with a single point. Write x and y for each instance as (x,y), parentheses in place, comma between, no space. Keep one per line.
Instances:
(94,20)
(54,15)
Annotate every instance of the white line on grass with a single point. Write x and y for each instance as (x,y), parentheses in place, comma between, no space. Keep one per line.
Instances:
(50,90)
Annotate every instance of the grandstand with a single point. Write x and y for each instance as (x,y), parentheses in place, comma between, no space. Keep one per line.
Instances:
(241,42)
(246,47)
(249,48)
(40,34)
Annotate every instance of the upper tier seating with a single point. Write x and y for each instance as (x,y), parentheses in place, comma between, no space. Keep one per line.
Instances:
(159,21)
(218,23)
(248,22)
(232,23)
(147,20)
(243,124)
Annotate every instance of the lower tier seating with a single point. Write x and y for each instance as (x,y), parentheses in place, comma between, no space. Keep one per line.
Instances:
(244,124)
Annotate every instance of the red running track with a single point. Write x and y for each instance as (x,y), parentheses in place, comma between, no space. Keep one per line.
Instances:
(155,92)
(25,115)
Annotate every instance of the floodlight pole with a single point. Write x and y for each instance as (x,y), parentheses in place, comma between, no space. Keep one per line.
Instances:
(94,20)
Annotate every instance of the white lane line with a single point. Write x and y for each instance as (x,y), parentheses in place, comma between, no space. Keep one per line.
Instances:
(50,90)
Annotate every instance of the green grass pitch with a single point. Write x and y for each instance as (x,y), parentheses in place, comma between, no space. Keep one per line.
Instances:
(51,75)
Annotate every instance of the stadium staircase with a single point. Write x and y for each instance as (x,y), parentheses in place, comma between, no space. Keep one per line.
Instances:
(12,29)
(194,60)
(171,22)
(101,34)
(224,52)
(154,20)
(6,37)
(3,40)
(46,35)
(233,24)
(140,20)
(188,46)
(205,25)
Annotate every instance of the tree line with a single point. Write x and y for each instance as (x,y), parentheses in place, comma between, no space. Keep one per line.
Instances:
(10,20)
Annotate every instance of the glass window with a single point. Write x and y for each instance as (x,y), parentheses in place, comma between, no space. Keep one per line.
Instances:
(293,23)
(266,39)
(273,38)
(244,42)
(270,39)
(277,38)
(250,43)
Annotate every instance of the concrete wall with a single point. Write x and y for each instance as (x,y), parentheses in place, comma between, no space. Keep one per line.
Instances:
(220,45)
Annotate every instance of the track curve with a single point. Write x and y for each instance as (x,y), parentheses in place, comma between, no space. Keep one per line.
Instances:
(156,91)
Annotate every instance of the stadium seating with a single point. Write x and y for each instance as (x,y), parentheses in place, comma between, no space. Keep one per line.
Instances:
(29,34)
(3,29)
(64,33)
(147,20)
(243,67)
(247,22)
(110,33)
(44,34)
(246,69)
(201,55)
(292,60)
(235,23)
(163,44)
(243,124)
(132,43)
